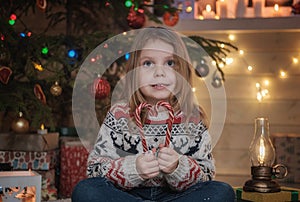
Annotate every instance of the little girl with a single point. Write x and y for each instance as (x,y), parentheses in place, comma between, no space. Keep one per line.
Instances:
(154,145)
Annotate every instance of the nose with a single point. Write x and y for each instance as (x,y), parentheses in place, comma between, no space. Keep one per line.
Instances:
(159,71)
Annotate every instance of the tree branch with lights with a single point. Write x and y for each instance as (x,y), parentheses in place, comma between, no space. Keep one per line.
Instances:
(38,68)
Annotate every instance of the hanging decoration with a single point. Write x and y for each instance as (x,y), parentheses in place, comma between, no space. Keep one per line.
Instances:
(56,89)
(136,18)
(5,73)
(170,19)
(41,4)
(202,69)
(217,80)
(38,92)
(37,65)
(100,88)
(20,124)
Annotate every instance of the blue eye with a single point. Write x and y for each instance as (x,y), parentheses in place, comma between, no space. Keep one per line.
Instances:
(148,63)
(170,63)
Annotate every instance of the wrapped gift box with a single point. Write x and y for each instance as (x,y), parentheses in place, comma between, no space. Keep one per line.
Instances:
(72,165)
(287,147)
(29,142)
(24,160)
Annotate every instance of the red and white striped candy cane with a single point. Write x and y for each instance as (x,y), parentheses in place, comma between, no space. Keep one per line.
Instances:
(137,116)
(170,121)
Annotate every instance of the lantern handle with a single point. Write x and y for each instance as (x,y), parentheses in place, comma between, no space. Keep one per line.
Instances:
(280,171)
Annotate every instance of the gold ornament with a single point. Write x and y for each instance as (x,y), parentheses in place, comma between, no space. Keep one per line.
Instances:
(56,89)
(20,124)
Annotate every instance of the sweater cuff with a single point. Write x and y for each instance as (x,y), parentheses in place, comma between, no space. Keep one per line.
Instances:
(181,171)
(130,171)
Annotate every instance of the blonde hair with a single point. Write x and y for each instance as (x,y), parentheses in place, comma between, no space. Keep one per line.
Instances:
(184,99)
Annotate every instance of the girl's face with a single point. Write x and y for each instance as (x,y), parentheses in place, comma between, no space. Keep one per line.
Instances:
(157,77)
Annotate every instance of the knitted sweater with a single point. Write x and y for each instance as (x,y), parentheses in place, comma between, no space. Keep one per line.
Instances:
(119,143)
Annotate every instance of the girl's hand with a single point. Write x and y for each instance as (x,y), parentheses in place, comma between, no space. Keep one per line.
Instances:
(168,159)
(147,165)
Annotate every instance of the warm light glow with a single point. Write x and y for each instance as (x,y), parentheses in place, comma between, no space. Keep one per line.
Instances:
(217,17)
(250,68)
(214,63)
(222,45)
(231,37)
(241,52)
(229,61)
(194,89)
(276,8)
(266,82)
(295,60)
(201,17)
(208,8)
(189,9)
(221,65)
(259,96)
(38,66)
(42,127)
(283,74)
(261,93)
(262,152)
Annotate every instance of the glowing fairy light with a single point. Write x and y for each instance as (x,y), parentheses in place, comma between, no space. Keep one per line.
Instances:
(231,37)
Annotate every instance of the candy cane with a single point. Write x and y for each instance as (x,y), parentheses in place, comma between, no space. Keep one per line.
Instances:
(137,116)
(170,121)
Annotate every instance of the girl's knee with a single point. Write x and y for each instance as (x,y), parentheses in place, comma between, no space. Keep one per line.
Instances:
(224,191)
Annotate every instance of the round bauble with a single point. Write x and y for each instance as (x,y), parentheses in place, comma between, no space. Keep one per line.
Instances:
(170,19)
(56,89)
(100,88)
(136,19)
(202,70)
(20,124)
(217,82)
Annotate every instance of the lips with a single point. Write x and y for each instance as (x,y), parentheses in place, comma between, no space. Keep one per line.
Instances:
(159,86)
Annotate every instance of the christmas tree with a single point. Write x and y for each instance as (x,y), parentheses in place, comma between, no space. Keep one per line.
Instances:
(44,42)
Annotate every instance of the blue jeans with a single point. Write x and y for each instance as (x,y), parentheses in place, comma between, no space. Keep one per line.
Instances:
(100,189)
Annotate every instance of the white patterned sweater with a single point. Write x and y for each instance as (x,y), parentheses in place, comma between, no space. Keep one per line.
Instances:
(119,143)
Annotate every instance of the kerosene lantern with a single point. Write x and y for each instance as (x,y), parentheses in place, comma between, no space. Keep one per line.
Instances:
(262,154)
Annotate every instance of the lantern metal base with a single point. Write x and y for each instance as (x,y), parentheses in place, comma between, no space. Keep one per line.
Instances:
(261,181)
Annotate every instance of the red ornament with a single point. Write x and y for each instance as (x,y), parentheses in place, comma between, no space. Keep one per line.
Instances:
(5,73)
(136,19)
(170,19)
(100,88)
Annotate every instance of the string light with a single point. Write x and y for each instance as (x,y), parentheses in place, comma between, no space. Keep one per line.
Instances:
(231,37)
(282,74)
(12,19)
(72,53)
(261,93)
(128,3)
(45,50)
